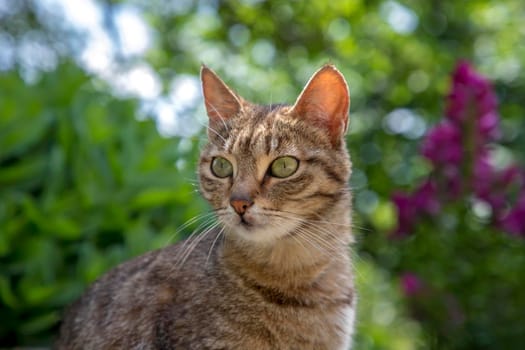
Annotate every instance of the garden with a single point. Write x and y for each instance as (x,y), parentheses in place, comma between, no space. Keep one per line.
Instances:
(102,119)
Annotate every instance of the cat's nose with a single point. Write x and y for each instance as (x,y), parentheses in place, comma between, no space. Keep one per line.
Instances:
(241,204)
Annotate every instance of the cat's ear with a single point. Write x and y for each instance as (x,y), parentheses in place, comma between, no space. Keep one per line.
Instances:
(325,101)
(220,101)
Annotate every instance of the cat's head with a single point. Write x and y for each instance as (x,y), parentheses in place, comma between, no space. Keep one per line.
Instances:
(268,170)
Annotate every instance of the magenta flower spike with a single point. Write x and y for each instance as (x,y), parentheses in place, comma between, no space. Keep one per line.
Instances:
(426,198)
(406,213)
(443,145)
(514,221)
(411,284)
(472,100)
(458,151)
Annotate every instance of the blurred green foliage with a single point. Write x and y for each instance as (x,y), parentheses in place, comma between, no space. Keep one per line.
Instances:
(83,186)
(85,183)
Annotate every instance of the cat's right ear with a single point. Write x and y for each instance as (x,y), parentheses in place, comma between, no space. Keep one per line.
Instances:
(324,102)
(220,101)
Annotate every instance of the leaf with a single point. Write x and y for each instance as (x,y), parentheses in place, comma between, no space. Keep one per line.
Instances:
(63,227)
(40,323)
(37,294)
(6,293)
(158,197)
(26,171)
(11,228)
(20,134)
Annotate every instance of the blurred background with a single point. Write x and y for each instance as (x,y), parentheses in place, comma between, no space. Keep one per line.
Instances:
(101,120)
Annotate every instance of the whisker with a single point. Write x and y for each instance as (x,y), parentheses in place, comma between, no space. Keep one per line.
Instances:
(223,120)
(212,245)
(318,242)
(188,241)
(325,231)
(314,233)
(315,238)
(208,127)
(192,181)
(358,272)
(190,222)
(310,222)
(294,215)
(181,258)
(306,238)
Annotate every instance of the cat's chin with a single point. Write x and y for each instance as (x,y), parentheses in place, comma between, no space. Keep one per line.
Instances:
(260,233)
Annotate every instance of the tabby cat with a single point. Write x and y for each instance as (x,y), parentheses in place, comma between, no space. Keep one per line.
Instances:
(275,272)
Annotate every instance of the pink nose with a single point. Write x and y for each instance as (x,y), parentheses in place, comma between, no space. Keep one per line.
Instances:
(241,205)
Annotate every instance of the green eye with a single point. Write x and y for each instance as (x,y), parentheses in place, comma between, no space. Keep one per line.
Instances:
(284,166)
(221,167)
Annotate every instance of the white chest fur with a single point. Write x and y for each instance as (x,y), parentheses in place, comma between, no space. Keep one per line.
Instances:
(348,318)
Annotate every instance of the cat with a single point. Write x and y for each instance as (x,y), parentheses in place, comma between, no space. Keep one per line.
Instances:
(275,272)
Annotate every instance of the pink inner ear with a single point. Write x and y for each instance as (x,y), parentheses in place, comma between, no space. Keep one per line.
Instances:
(325,101)
(220,101)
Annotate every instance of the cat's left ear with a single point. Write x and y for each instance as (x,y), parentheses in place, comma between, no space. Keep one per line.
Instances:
(221,102)
(325,101)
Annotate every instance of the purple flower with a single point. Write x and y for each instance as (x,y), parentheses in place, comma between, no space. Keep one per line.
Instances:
(444,148)
(425,199)
(443,145)
(494,186)
(514,221)
(472,100)
(406,213)
(471,94)
(457,149)
(411,284)
(410,207)
(451,181)
(483,175)
(488,126)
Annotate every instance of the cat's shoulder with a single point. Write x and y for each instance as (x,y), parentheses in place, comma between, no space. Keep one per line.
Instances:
(172,260)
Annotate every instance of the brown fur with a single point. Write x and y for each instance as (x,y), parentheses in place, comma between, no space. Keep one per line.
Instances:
(277,277)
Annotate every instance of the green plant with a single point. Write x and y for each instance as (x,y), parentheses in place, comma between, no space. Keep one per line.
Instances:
(83,186)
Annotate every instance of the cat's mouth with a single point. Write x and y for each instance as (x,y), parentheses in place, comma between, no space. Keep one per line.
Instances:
(246,222)
(256,227)
(243,222)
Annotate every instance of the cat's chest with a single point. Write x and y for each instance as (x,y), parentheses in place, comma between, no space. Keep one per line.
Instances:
(293,326)
(320,316)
